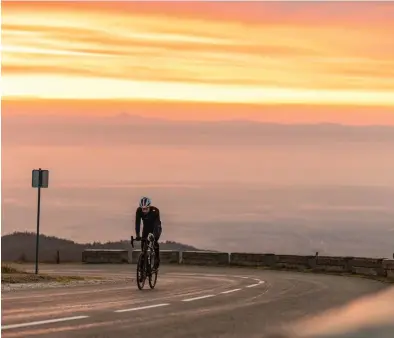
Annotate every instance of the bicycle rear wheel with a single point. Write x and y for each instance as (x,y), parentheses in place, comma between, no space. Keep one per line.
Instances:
(152,275)
(141,274)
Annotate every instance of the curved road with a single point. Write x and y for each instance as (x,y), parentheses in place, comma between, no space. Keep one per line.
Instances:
(187,302)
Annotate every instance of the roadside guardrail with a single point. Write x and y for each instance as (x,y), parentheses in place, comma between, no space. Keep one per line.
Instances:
(376,267)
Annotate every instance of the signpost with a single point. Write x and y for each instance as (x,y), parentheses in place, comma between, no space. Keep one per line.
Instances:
(39,180)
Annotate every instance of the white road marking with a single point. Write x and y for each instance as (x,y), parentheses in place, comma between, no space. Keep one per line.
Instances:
(261,282)
(230,291)
(58,294)
(42,322)
(190,293)
(196,298)
(253,285)
(142,307)
(215,275)
(71,270)
(198,274)
(182,274)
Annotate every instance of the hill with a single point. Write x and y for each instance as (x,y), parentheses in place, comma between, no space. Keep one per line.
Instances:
(21,246)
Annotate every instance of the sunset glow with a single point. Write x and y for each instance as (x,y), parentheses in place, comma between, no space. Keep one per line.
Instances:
(246,53)
(274,115)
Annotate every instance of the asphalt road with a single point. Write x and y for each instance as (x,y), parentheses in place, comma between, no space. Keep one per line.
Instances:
(187,302)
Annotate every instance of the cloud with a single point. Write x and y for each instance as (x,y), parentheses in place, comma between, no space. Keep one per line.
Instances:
(244,53)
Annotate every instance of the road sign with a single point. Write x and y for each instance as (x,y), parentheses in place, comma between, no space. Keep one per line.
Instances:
(40,178)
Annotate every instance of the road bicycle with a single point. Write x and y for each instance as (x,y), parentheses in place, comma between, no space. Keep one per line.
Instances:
(146,262)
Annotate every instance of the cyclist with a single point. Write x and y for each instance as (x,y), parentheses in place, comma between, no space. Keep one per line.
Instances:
(150,216)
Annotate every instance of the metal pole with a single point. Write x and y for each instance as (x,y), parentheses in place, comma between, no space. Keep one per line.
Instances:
(38,220)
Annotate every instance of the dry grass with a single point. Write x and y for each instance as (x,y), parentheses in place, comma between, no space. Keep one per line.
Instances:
(5,268)
(12,275)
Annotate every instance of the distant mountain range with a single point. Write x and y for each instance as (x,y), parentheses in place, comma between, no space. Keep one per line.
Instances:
(127,129)
(20,246)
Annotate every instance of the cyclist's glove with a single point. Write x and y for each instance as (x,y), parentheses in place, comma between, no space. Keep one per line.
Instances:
(138,237)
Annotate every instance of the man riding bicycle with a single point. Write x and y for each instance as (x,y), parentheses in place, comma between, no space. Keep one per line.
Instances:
(150,216)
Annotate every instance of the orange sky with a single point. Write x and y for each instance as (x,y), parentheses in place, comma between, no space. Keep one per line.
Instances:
(287,62)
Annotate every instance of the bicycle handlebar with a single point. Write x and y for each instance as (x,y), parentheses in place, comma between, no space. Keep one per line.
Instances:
(132,239)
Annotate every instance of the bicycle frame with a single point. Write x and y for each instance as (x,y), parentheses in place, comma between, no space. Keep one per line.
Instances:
(148,246)
(149,243)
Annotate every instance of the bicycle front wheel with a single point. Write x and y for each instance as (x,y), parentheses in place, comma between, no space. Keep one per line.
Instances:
(153,272)
(141,275)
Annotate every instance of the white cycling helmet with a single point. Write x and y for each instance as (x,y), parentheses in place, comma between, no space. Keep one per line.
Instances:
(145,202)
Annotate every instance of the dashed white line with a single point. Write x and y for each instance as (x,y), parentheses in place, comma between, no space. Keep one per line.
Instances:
(252,285)
(42,322)
(213,275)
(196,298)
(230,291)
(49,321)
(142,307)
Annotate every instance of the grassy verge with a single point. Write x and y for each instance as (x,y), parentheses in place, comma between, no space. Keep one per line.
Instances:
(12,275)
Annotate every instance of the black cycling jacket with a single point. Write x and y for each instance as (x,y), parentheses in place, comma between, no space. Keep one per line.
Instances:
(151,219)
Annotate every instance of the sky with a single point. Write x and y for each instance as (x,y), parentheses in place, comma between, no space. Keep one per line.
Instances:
(288,62)
(281,112)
